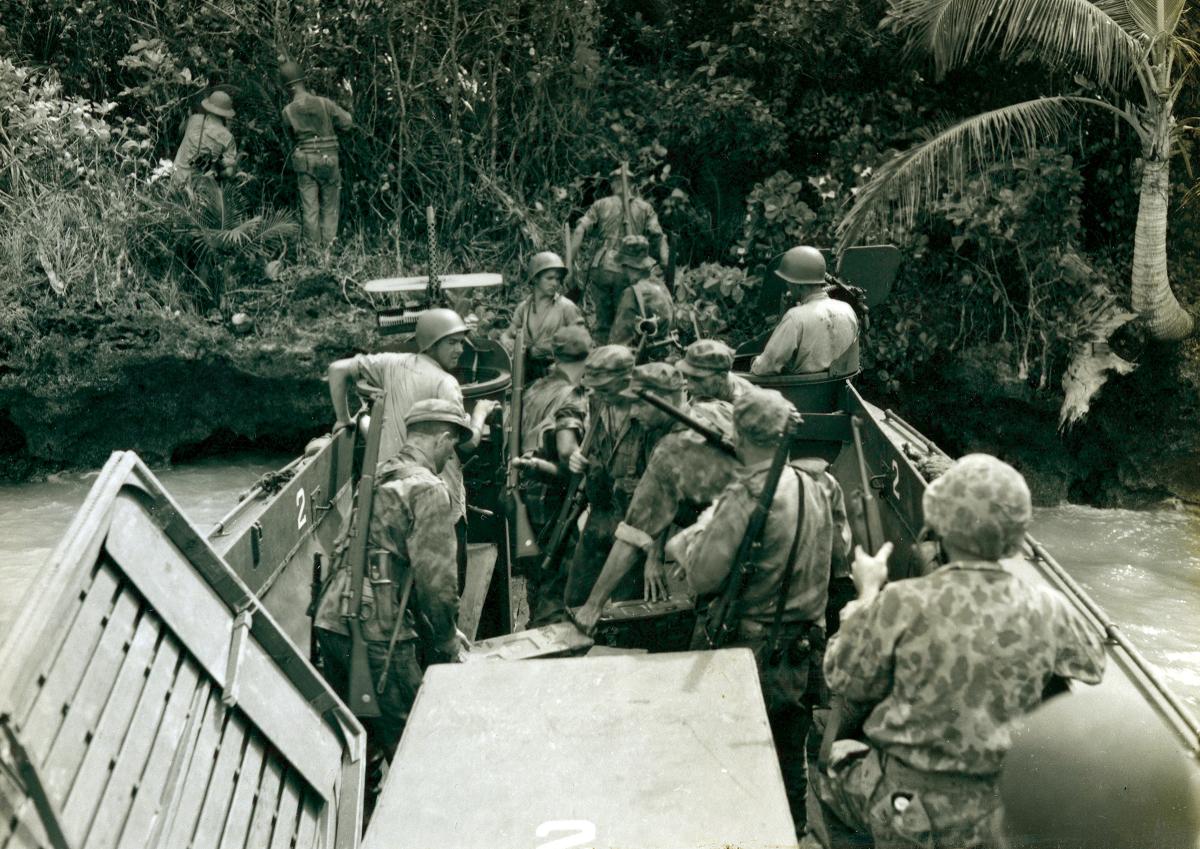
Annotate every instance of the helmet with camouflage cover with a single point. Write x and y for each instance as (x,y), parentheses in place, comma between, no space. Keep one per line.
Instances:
(760,416)
(435,325)
(544,261)
(802,266)
(440,410)
(980,506)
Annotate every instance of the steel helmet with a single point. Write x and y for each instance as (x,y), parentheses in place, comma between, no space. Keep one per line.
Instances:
(290,73)
(802,266)
(981,505)
(545,261)
(435,325)
(440,410)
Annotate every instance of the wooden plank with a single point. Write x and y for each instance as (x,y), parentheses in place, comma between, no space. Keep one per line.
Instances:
(348,816)
(266,802)
(286,814)
(221,784)
(246,784)
(186,811)
(43,713)
(110,732)
(163,692)
(481,564)
(75,735)
(172,745)
(310,815)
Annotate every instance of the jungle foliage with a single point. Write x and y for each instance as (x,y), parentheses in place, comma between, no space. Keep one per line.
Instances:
(751,125)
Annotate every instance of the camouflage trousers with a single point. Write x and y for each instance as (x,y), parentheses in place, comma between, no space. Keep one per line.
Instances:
(605,288)
(870,796)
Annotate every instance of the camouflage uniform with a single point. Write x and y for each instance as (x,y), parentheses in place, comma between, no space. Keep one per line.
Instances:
(413,521)
(645,299)
(707,364)
(945,662)
(605,277)
(790,678)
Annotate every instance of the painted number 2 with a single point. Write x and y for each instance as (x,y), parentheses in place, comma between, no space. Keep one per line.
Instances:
(302,515)
(895,480)
(584,832)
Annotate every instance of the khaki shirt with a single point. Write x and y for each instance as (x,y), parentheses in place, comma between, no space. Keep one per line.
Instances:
(541,324)
(206,136)
(312,118)
(819,334)
(407,379)
(607,216)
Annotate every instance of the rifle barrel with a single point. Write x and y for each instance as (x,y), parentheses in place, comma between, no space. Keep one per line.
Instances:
(714,437)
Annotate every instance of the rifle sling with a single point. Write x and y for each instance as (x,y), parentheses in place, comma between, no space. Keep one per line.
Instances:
(785,586)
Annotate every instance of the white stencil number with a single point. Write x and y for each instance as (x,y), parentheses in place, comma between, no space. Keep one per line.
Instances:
(302,516)
(895,480)
(584,832)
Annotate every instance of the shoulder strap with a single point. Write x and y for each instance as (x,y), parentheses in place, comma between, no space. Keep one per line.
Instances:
(785,586)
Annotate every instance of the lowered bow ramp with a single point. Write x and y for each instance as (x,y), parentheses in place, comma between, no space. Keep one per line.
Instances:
(158,703)
(627,752)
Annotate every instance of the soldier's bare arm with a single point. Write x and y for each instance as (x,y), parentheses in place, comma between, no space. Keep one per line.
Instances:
(342,373)
(780,349)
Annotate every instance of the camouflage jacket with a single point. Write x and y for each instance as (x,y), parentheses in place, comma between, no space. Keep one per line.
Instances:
(551,404)
(645,299)
(608,217)
(824,540)
(949,659)
(413,520)
(684,470)
(619,452)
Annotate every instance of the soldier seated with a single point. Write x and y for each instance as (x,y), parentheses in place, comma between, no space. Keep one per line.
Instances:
(939,666)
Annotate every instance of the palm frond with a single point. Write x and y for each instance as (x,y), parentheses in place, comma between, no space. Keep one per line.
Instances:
(1073,34)
(1157,18)
(908,183)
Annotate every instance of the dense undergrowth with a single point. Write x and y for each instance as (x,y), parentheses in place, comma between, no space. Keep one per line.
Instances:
(750,126)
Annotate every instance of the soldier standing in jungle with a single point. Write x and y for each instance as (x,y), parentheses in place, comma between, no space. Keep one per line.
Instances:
(685,474)
(645,311)
(938,666)
(409,378)
(620,448)
(542,313)
(552,428)
(411,540)
(606,279)
(311,120)
(819,334)
(780,618)
(208,146)
(707,366)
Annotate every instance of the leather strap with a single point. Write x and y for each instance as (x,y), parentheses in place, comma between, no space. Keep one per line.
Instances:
(785,586)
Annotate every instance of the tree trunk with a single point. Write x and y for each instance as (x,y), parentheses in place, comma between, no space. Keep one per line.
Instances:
(1153,299)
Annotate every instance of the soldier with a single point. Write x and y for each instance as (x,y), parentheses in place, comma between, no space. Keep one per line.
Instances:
(617,457)
(553,419)
(605,278)
(939,666)
(207,144)
(409,378)
(706,367)
(542,313)
(646,309)
(806,540)
(411,536)
(684,475)
(311,120)
(817,335)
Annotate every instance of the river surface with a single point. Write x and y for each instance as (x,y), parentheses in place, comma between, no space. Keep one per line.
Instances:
(1143,567)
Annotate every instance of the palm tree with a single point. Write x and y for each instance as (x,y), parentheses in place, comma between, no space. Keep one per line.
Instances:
(1131,50)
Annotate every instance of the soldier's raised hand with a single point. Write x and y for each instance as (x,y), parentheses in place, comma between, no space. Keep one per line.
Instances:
(578,463)
(870,572)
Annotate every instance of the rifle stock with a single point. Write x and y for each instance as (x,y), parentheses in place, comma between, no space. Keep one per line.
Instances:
(721,623)
(626,211)
(713,437)
(521,535)
(572,509)
(362,689)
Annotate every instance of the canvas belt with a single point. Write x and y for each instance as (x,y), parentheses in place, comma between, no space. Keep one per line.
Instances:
(898,770)
(318,144)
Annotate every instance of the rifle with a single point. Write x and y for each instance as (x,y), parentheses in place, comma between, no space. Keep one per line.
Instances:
(362,689)
(626,212)
(721,625)
(572,509)
(713,437)
(572,287)
(524,542)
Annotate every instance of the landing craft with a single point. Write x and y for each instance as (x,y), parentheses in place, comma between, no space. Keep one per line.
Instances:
(156,690)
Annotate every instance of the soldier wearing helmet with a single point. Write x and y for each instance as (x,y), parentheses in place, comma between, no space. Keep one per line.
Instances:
(542,313)
(819,334)
(706,366)
(939,666)
(409,378)
(411,539)
(606,277)
(207,146)
(781,619)
(311,120)
(645,310)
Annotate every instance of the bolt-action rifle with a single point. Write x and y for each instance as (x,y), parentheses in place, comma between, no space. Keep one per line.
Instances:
(626,211)
(722,615)
(713,437)
(572,509)
(362,698)
(523,540)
